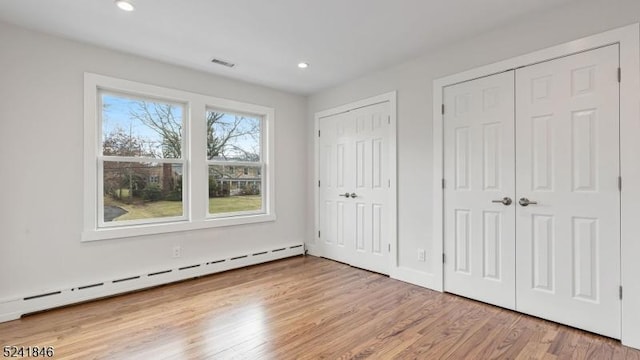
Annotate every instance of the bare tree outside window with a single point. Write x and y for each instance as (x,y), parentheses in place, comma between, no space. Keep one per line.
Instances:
(234,153)
(162,119)
(146,159)
(152,131)
(148,131)
(233,137)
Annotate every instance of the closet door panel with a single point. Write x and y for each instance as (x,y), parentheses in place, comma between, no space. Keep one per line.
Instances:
(567,166)
(479,175)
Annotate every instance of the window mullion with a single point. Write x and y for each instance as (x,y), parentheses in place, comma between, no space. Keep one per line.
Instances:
(199,189)
(141,159)
(235,163)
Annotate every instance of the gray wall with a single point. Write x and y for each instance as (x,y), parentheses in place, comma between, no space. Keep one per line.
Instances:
(41,152)
(414,82)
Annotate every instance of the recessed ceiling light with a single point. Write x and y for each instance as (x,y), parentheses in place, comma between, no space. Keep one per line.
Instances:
(125,5)
(303,65)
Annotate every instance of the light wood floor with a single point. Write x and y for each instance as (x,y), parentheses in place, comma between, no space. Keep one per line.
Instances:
(303,307)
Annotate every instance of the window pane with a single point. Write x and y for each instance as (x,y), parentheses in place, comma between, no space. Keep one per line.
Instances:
(135,191)
(141,128)
(231,190)
(233,137)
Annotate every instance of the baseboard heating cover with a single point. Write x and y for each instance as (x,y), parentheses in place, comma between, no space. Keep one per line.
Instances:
(12,309)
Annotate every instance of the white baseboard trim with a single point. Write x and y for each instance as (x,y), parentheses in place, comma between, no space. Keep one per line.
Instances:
(407,275)
(313,249)
(415,277)
(13,309)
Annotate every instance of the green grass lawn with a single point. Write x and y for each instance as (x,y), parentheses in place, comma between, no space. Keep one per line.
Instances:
(146,210)
(158,209)
(235,203)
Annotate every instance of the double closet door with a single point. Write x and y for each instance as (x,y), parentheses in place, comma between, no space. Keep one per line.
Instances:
(355,187)
(532,201)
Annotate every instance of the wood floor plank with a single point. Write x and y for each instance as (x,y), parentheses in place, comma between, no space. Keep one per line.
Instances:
(397,327)
(631,354)
(486,338)
(441,339)
(300,308)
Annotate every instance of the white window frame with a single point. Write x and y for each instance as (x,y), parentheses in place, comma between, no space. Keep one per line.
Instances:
(195,168)
(242,165)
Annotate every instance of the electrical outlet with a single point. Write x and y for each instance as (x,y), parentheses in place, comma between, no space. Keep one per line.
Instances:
(177,251)
(422,255)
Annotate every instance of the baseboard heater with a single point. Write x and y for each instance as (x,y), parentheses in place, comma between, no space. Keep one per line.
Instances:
(12,309)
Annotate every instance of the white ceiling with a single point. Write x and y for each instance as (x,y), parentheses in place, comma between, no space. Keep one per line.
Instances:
(341,39)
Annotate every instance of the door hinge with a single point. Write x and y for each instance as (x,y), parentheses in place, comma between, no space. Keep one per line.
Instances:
(318,133)
(620,292)
(619,183)
(318,233)
(389,247)
(388,119)
(318,183)
(442,109)
(443,183)
(619,74)
(444,259)
(389,183)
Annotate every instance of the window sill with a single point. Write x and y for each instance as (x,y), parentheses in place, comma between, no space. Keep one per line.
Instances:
(162,228)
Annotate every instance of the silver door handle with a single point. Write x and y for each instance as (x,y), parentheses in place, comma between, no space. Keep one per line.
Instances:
(345,195)
(354,195)
(525,202)
(506,201)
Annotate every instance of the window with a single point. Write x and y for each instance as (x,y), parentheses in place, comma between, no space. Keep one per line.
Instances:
(234,159)
(160,160)
(141,161)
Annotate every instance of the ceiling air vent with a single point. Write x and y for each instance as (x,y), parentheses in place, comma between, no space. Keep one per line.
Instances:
(223,63)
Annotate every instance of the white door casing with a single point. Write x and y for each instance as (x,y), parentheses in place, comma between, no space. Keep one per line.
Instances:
(479,172)
(567,146)
(355,187)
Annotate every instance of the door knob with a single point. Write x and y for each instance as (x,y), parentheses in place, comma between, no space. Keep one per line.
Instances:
(345,195)
(354,195)
(504,201)
(525,202)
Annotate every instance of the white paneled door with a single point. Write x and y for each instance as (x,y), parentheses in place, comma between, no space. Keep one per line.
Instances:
(479,171)
(355,187)
(567,162)
(554,251)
